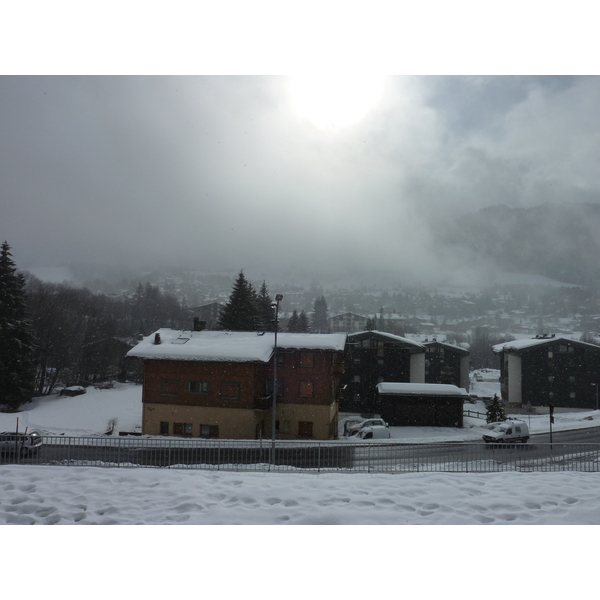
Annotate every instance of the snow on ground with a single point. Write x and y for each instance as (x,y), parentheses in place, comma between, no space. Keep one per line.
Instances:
(94,495)
(63,495)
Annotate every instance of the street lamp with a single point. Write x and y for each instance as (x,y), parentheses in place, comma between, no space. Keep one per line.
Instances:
(596,386)
(275,306)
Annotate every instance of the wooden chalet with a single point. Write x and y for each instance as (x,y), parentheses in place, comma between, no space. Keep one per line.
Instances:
(549,369)
(373,357)
(219,384)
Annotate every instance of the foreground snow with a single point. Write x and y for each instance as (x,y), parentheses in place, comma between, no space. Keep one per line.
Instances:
(103,496)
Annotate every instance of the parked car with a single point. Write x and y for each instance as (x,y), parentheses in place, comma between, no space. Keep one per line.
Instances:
(26,444)
(356,427)
(507,431)
(375,432)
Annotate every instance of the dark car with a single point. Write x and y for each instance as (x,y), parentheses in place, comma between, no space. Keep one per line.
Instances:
(26,444)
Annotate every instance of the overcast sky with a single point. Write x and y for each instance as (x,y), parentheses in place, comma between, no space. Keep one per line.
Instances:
(233,172)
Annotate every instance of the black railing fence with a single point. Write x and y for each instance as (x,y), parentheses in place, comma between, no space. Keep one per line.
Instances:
(325,456)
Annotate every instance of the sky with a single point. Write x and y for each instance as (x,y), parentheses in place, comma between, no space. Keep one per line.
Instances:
(332,169)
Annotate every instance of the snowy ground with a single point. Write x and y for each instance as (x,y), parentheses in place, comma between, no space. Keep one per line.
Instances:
(93,495)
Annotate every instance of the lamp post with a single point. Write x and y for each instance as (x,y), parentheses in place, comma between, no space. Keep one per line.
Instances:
(596,386)
(275,306)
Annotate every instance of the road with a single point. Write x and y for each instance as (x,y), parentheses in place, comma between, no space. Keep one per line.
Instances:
(443,456)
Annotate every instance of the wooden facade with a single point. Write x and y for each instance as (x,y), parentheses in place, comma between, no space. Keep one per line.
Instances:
(546,370)
(446,363)
(232,399)
(428,405)
(374,357)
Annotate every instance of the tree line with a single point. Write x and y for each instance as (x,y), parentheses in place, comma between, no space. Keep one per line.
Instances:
(55,335)
(249,310)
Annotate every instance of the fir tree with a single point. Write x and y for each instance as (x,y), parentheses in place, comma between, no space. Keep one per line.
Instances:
(495,412)
(265,309)
(371,324)
(16,339)
(320,320)
(294,323)
(303,326)
(240,313)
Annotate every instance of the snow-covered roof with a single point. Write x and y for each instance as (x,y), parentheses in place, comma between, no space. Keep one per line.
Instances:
(447,345)
(421,389)
(390,336)
(523,344)
(230,346)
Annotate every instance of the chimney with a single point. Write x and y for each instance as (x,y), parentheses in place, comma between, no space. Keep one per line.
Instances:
(157,338)
(199,325)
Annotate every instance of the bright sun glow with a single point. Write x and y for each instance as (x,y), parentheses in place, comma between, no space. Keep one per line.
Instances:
(332,100)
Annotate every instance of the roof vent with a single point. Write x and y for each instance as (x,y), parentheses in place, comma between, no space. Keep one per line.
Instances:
(157,338)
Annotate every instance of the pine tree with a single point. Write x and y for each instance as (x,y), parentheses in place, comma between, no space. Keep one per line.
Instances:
(303,326)
(294,323)
(16,339)
(264,307)
(371,324)
(495,412)
(240,313)
(320,320)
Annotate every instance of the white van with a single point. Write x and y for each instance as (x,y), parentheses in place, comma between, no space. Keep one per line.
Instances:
(510,431)
(376,432)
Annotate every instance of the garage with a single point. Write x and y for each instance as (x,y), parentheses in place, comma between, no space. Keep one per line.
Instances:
(421,404)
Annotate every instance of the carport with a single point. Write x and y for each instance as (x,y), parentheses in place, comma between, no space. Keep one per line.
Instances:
(422,404)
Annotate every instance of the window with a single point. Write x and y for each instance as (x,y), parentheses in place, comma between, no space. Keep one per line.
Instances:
(198,387)
(280,359)
(571,379)
(230,390)
(562,348)
(164,428)
(182,429)
(306,389)
(169,387)
(572,395)
(357,379)
(550,378)
(286,427)
(305,429)
(380,361)
(280,386)
(357,361)
(550,354)
(571,349)
(209,431)
(307,359)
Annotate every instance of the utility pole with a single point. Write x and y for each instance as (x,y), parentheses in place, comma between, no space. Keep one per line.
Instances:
(275,306)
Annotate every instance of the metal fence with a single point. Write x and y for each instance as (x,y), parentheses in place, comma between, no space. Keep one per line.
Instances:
(327,456)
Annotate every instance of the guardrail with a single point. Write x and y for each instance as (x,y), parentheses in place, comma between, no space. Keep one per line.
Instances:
(473,413)
(327,456)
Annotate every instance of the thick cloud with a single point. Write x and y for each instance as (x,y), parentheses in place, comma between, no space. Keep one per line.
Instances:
(219,172)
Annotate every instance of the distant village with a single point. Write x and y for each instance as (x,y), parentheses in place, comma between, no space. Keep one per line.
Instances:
(409,370)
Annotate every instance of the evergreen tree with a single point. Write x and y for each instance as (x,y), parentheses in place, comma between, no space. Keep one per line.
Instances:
(320,320)
(240,313)
(16,339)
(371,325)
(294,323)
(303,326)
(495,412)
(265,309)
